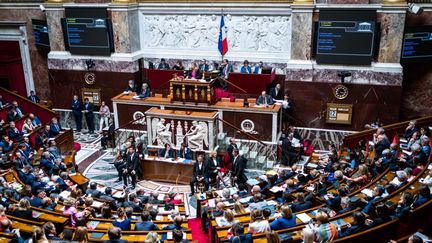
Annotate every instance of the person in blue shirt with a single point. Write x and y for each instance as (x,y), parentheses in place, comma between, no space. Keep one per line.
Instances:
(6,144)
(55,127)
(177,224)
(239,235)
(35,120)
(423,196)
(123,222)
(287,220)
(246,68)
(146,223)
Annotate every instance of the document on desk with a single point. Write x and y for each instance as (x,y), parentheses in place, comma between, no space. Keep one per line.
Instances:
(304,218)
(92,224)
(368,192)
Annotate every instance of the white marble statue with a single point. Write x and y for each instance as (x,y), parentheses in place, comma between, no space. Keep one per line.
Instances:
(197,135)
(161,132)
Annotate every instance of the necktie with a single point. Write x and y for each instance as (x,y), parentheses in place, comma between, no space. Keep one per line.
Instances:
(265,100)
(57,127)
(33,99)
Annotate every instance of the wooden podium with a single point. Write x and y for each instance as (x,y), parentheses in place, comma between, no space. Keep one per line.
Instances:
(192,91)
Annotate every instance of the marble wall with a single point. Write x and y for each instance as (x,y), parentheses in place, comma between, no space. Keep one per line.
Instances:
(301,35)
(38,57)
(126,30)
(392,29)
(53,17)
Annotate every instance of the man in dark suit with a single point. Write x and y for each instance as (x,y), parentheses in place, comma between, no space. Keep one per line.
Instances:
(12,115)
(108,197)
(93,191)
(108,134)
(146,224)
(88,113)
(132,87)
(357,226)
(225,69)
(13,132)
(77,112)
(199,174)
(167,152)
(302,202)
(185,152)
(163,65)
(239,235)
(134,203)
(133,167)
(33,97)
(26,175)
(2,102)
(114,234)
(17,108)
(264,99)
(276,92)
(36,201)
(231,147)
(238,168)
(55,127)
(289,154)
(145,91)
(204,67)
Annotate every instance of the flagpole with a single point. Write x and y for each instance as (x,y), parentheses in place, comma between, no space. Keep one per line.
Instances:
(222,13)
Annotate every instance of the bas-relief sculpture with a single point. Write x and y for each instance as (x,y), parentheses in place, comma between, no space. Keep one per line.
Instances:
(201,32)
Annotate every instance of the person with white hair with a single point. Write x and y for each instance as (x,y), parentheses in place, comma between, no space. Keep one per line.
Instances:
(402,177)
(307,235)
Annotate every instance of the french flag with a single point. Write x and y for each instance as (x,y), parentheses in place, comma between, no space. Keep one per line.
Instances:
(223,41)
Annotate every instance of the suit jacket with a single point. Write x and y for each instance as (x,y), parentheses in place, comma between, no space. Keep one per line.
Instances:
(146,226)
(55,130)
(211,166)
(199,172)
(133,163)
(163,66)
(145,92)
(243,69)
(224,71)
(76,107)
(131,89)
(170,153)
(261,99)
(94,193)
(239,165)
(34,98)
(14,134)
(203,67)
(257,70)
(89,109)
(231,148)
(245,238)
(300,206)
(278,96)
(198,74)
(36,122)
(12,116)
(185,153)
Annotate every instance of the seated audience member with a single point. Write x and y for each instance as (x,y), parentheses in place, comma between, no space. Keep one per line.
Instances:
(258,202)
(410,129)
(238,234)
(194,72)
(176,224)
(20,161)
(145,91)
(153,237)
(301,203)
(345,205)
(358,225)
(415,139)
(12,115)
(146,223)
(47,131)
(14,133)
(50,231)
(184,152)
(23,210)
(173,198)
(179,66)
(245,68)
(6,144)
(228,219)
(33,97)
(27,126)
(134,202)
(402,177)
(167,152)
(199,174)
(287,220)
(54,150)
(70,209)
(122,221)
(114,234)
(382,215)
(154,199)
(48,204)
(376,195)
(35,120)
(132,87)
(424,143)
(381,143)
(307,235)
(177,236)
(93,191)
(163,65)
(258,68)
(424,195)
(404,205)
(323,230)
(264,99)
(3,103)
(276,92)
(258,223)
(81,235)
(362,176)
(17,108)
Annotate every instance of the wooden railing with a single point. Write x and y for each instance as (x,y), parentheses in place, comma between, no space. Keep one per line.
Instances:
(351,140)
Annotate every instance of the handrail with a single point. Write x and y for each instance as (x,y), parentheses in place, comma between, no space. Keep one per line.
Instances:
(241,131)
(226,80)
(25,98)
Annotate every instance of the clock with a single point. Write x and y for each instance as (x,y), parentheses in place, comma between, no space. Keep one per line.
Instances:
(340,92)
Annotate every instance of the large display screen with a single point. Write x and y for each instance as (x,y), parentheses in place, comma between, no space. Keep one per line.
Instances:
(345,37)
(417,44)
(40,33)
(87,31)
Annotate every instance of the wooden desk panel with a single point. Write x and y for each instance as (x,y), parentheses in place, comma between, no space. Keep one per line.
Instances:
(158,170)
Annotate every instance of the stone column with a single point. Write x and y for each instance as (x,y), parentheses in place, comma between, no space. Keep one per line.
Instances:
(124,15)
(392,16)
(54,13)
(300,65)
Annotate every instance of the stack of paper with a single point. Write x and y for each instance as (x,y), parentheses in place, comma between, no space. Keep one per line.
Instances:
(304,218)
(368,192)
(92,224)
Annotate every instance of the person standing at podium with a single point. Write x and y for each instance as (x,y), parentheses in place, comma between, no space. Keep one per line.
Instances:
(246,68)
(194,73)
(199,174)
(264,99)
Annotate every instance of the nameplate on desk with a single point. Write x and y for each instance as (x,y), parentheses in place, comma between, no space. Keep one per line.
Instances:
(339,113)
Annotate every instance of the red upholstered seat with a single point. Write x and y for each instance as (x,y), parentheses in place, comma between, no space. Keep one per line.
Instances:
(308,147)
(396,139)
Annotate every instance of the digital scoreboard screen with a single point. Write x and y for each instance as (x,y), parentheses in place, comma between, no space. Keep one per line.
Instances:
(417,44)
(87,31)
(345,37)
(40,33)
